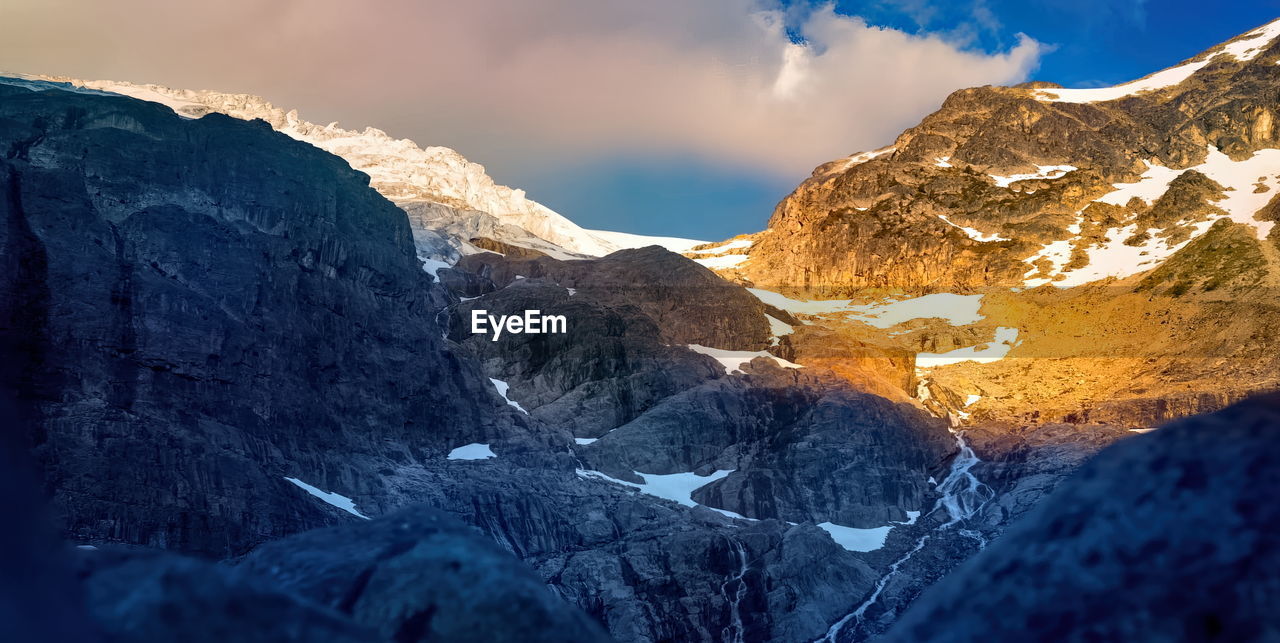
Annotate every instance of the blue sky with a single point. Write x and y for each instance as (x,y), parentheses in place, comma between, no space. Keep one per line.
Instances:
(667,117)
(1094,43)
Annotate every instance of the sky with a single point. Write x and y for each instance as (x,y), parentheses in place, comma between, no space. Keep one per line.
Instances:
(672,117)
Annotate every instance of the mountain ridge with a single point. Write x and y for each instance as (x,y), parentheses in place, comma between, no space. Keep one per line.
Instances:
(400,170)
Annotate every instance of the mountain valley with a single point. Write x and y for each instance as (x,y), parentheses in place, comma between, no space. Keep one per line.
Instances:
(243,368)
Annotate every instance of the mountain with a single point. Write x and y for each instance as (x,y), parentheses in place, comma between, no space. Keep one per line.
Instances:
(1105,253)
(230,343)
(442,190)
(1031,185)
(171,268)
(225,341)
(1170,536)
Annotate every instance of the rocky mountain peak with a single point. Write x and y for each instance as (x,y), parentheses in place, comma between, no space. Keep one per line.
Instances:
(400,170)
(1001,180)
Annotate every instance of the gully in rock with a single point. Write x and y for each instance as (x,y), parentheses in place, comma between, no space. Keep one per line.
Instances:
(733,590)
(962,495)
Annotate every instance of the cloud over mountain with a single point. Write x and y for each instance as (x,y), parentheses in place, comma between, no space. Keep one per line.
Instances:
(744,83)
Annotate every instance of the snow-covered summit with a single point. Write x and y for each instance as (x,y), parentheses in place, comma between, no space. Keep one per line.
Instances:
(1243,48)
(399,169)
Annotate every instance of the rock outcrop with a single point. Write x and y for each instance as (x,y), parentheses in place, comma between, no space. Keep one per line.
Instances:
(1166,536)
(688,302)
(418,575)
(210,307)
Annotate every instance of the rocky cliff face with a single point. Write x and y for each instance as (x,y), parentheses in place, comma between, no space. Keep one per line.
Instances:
(227,339)
(458,193)
(211,307)
(688,302)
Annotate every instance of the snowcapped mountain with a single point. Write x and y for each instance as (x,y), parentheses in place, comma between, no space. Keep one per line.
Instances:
(1020,187)
(408,174)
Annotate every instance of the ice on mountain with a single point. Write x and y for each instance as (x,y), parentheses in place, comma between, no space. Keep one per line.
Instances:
(722,262)
(855,539)
(676,487)
(995,350)
(732,361)
(337,500)
(957,310)
(473,451)
(1042,172)
(433,265)
(974,233)
(1246,48)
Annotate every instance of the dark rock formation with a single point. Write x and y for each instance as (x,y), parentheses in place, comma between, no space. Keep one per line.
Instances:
(148,596)
(418,575)
(688,302)
(1168,536)
(802,447)
(612,364)
(415,575)
(209,306)
(649,569)
(1023,464)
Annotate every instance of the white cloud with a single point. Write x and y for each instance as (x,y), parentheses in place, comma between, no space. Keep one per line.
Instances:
(517,83)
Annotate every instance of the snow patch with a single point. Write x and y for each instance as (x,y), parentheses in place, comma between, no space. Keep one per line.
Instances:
(863,157)
(1112,258)
(778,328)
(625,240)
(676,487)
(585,441)
(1042,172)
(867,539)
(1246,48)
(337,500)
(1242,201)
(854,539)
(801,306)
(502,390)
(473,451)
(723,248)
(1115,259)
(433,265)
(1151,185)
(722,262)
(974,233)
(1005,339)
(957,310)
(732,361)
